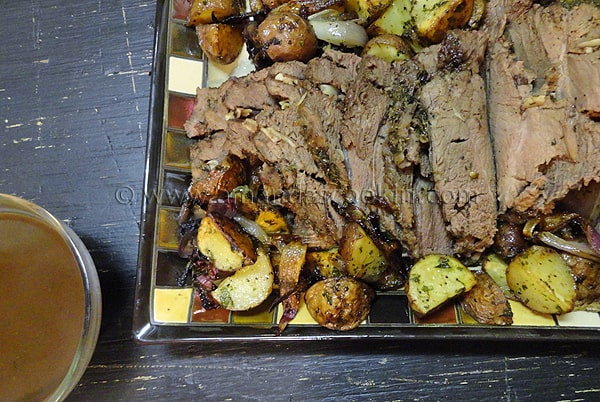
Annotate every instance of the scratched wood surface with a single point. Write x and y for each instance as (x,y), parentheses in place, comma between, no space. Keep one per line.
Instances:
(74,87)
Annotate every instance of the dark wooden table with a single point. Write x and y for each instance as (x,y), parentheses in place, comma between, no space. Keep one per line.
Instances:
(74,93)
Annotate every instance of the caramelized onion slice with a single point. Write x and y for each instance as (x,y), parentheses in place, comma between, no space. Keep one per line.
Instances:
(577,248)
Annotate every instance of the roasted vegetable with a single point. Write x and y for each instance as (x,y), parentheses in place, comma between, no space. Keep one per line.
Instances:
(509,239)
(433,18)
(219,179)
(221,241)
(340,303)
(486,303)
(272,221)
(495,267)
(326,263)
(247,287)
(388,47)
(363,259)
(211,11)
(541,279)
(396,20)
(284,36)
(434,280)
(587,282)
(221,43)
(291,262)
(367,10)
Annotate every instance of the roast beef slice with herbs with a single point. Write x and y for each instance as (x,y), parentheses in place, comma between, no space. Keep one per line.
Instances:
(543,101)
(461,157)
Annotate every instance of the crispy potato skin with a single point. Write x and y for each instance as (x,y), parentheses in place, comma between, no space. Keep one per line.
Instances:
(486,303)
(339,303)
(388,47)
(362,257)
(210,11)
(221,180)
(433,18)
(286,37)
(221,240)
(221,43)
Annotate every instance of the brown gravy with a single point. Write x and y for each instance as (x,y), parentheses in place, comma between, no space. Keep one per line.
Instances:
(42,308)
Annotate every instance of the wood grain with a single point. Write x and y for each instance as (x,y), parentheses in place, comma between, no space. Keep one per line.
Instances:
(74,88)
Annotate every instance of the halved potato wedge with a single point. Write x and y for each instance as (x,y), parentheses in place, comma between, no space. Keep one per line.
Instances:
(363,259)
(221,240)
(247,287)
(542,280)
(433,18)
(326,263)
(495,267)
(396,19)
(434,280)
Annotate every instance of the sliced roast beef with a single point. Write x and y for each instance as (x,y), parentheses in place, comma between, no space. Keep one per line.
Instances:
(543,96)
(462,158)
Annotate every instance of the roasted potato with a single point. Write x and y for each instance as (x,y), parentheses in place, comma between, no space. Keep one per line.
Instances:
(486,303)
(434,280)
(247,287)
(221,240)
(433,18)
(396,20)
(587,282)
(362,257)
(285,37)
(221,43)
(340,303)
(495,267)
(211,11)
(541,279)
(272,221)
(367,10)
(326,263)
(388,47)
(220,179)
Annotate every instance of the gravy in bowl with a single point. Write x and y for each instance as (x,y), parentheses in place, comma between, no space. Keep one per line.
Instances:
(42,308)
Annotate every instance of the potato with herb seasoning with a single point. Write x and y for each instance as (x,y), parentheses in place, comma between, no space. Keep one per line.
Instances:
(362,257)
(221,240)
(542,280)
(434,280)
(340,303)
(433,18)
(396,20)
(367,10)
(325,263)
(247,287)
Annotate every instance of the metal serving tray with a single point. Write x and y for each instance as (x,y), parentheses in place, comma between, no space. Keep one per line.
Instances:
(167,311)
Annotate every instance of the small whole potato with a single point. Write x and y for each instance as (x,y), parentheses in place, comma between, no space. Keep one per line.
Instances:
(340,303)
(286,37)
(221,43)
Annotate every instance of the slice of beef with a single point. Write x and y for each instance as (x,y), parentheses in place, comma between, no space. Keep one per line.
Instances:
(543,98)
(430,227)
(462,158)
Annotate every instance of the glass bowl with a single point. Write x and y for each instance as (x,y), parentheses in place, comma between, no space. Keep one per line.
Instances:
(50,304)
